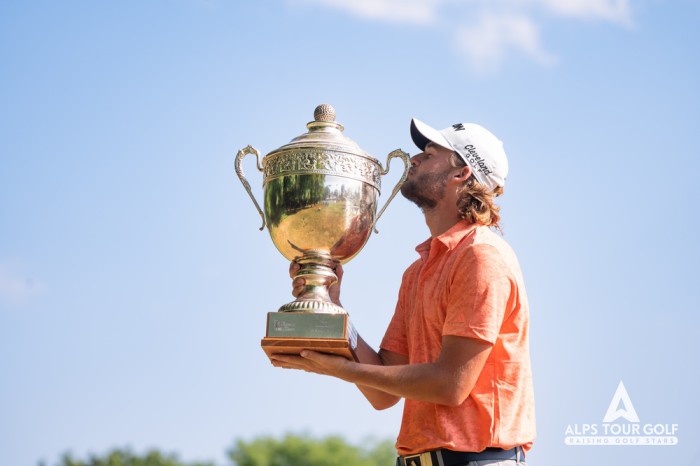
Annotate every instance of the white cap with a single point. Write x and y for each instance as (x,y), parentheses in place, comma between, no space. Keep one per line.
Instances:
(477,146)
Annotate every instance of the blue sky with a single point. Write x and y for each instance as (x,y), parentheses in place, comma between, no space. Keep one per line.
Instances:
(134,283)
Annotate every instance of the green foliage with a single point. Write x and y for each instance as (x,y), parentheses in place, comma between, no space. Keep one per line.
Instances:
(294,450)
(125,457)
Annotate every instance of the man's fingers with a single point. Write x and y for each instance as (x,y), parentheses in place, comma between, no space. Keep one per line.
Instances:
(288,361)
(314,356)
(293,268)
(329,363)
(298,286)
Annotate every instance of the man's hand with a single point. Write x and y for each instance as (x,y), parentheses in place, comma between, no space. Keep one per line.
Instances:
(312,361)
(299,283)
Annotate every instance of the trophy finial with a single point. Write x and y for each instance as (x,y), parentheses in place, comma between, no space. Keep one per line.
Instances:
(324,112)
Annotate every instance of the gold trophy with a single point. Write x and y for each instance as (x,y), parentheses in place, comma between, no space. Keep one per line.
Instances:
(320,200)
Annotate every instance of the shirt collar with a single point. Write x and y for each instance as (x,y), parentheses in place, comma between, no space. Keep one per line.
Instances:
(451,238)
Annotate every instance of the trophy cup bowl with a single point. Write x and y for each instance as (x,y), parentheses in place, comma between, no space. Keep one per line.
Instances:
(320,196)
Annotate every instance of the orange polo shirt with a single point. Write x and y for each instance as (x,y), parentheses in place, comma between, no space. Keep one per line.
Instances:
(467,283)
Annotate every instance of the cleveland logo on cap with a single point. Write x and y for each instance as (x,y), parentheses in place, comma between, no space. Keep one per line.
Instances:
(475,159)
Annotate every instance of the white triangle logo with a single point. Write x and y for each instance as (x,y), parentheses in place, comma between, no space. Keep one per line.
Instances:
(627,410)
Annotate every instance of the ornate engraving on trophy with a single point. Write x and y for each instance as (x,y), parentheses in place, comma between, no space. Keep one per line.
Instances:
(324,162)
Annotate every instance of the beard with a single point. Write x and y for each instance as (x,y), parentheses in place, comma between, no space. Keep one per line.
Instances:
(425,190)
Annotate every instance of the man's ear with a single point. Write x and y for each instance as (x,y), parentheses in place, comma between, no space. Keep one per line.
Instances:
(462,174)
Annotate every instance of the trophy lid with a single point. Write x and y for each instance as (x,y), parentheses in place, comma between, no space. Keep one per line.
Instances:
(325,133)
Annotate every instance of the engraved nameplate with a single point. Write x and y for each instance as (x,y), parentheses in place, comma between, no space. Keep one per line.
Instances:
(305,325)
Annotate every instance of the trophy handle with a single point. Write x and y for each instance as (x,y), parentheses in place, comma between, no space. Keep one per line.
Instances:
(407,166)
(239,171)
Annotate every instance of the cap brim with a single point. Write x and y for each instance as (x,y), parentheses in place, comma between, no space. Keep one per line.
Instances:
(422,134)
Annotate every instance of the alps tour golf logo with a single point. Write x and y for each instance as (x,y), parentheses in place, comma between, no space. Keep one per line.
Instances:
(621,426)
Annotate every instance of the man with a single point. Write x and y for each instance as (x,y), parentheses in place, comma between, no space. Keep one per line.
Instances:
(457,346)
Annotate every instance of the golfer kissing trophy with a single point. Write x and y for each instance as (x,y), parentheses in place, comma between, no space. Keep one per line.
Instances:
(320,196)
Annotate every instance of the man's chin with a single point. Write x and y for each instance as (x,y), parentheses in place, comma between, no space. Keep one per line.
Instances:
(422,202)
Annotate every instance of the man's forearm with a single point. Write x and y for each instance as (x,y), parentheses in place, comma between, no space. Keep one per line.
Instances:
(381,385)
(379,399)
(447,381)
(384,386)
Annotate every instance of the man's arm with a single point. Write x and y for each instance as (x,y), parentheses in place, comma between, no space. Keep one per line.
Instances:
(379,399)
(447,381)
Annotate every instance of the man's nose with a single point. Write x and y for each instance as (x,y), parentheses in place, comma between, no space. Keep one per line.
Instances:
(415,160)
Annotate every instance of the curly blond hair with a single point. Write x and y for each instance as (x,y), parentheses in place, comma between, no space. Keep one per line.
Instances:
(475,203)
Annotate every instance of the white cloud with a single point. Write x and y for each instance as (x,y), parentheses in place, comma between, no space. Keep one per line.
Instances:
(486,45)
(504,26)
(405,11)
(15,289)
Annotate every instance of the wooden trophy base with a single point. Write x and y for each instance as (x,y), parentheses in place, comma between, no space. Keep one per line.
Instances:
(292,332)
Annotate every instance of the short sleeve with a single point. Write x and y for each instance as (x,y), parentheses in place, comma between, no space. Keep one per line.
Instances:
(480,292)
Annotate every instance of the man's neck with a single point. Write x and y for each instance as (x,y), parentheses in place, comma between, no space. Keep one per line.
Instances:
(441,218)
